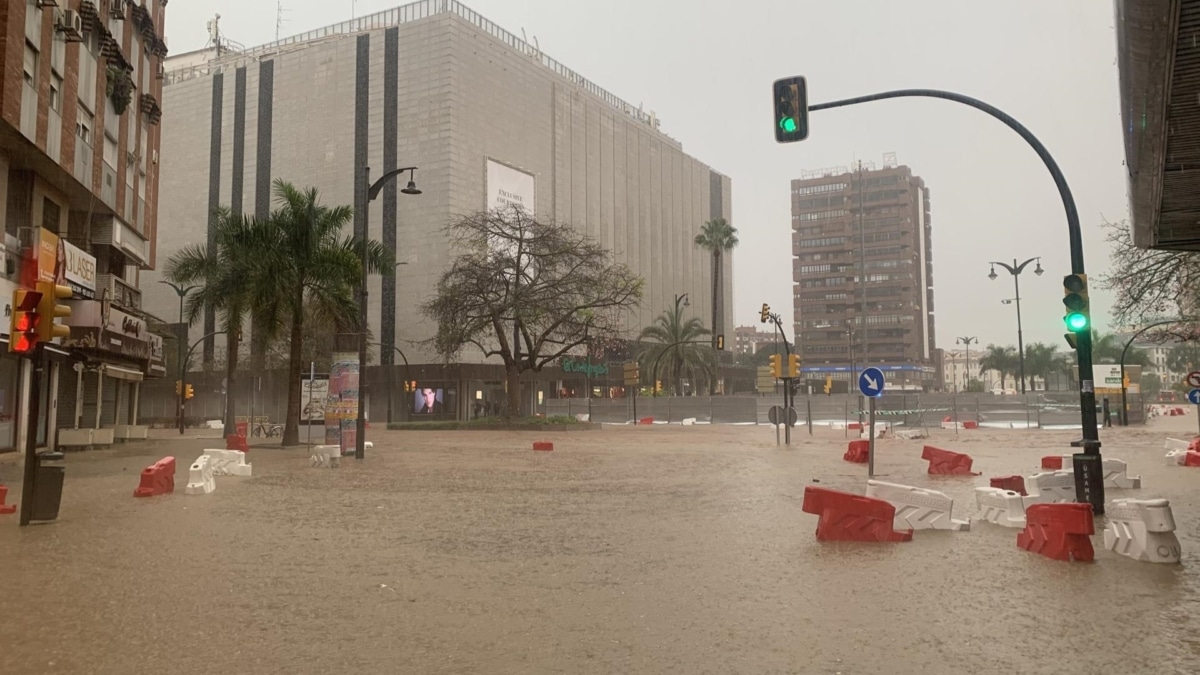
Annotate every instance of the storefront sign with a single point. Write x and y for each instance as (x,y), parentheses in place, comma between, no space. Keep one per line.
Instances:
(44,260)
(589,369)
(80,273)
(507,186)
(96,324)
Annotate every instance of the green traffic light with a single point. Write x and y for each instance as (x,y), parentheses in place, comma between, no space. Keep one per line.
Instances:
(788,124)
(1077,321)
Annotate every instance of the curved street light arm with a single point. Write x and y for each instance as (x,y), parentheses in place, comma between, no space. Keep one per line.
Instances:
(377,186)
(1125,351)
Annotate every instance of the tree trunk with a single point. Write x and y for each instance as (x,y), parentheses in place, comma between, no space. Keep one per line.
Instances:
(716,296)
(513,380)
(291,424)
(231,358)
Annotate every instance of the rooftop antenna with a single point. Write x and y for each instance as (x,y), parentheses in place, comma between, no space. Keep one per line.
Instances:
(279,10)
(214,32)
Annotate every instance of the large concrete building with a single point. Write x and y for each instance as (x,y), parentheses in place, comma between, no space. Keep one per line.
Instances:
(863,272)
(79,114)
(480,111)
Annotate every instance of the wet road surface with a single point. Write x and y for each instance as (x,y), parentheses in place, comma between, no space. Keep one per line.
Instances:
(647,550)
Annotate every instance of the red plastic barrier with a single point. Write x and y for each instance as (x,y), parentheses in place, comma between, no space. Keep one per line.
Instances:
(1194,445)
(970,424)
(947,418)
(946,463)
(545,446)
(157,479)
(9,509)
(646,420)
(236,442)
(858,452)
(1052,462)
(1013,483)
(855,426)
(1059,531)
(846,517)
(241,428)
(1191,459)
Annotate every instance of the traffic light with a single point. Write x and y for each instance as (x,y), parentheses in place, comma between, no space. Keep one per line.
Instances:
(720,343)
(24,322)
(791,109)
(829,385)
(50,309)
(776,366)
(658,386)
(793,369)
(187,392)
(1075,297)
(178,387)
(766,313)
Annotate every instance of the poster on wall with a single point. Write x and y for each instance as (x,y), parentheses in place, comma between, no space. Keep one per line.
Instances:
(342,401)
(44,260)
(507,186)
(313,396)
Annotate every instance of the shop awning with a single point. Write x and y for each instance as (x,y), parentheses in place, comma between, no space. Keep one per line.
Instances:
(119,373)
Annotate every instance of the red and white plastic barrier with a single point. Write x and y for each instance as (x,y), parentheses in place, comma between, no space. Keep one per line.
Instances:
(1142,529)
(1176,444)
(228,462)
(200,477)
(1001,507)
(1115,472)
(326,456)
(858,452)
(881,429)
(1059,531)
(157,479)
(917,508)
(1013,483)
(947,463)
(1050,487)
(9,509)
(849,517)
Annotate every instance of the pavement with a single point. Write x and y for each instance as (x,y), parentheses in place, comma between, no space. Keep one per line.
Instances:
(630,549)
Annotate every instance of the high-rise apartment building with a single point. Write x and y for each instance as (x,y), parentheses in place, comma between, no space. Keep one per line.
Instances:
(863,273)
(79,130)
(749,339)
(487,117)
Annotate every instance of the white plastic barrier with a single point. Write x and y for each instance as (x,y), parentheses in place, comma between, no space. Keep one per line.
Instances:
(1000,506)
(1115,473)
(952,426)
(327,455)
(200,477)
(228,462)
(1176,457)
(1050,487)
(1176,444)
(881,429)
(1142,529)
(917,508)
(911,434)
(687,421)
(582,417)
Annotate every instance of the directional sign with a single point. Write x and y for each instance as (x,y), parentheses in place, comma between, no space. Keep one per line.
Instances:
(870,382)
(1193,379)
(1194,396)
(776,415)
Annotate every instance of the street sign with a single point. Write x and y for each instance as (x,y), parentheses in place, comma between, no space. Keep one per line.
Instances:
(775,415)
(764,382)
(631,374)
(870,382)
(1194,396)
(1193,379)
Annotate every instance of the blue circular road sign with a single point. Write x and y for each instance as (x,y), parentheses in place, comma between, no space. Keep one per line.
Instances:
(1194,396)
(870,382)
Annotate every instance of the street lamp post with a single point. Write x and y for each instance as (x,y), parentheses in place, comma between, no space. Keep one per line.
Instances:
(182,292)
(967,340)
(360,427)
(1015,270)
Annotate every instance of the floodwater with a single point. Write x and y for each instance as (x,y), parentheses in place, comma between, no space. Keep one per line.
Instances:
(626,550)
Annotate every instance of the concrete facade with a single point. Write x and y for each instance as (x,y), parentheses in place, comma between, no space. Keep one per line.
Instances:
(465,91)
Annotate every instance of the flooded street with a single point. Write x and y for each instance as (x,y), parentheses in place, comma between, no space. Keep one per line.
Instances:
(649,550)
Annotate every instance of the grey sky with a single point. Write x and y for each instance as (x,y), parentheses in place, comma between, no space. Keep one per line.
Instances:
(706,67)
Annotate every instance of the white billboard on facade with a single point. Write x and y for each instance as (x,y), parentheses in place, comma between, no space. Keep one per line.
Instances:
(507,186)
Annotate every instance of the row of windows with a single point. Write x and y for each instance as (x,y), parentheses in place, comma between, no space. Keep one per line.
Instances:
(819,283)
(815,269)
(820,215)
(826,255)
(818,189)
(878,181)
(826,241)
(817,202)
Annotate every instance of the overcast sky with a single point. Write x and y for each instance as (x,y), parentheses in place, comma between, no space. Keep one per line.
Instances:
(706,67)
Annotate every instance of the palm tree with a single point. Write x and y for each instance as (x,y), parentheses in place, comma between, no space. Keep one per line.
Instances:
(717,236)
(1041,360)
(674,359)
(1107,348)
(220,276)
(308,268)
(1001,360)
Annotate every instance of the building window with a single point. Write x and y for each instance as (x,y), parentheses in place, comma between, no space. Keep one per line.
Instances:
(56,85)
(84,125)
(31,65)
(110,151)
(51,214)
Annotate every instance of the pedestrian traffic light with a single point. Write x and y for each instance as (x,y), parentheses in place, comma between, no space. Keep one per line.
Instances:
(1075,297)
(178,387)
(791,109)
(793,369)
(24,321)
(50,309)
(187,392)
(766,313)
(776,361)
(720,343)
(829,385)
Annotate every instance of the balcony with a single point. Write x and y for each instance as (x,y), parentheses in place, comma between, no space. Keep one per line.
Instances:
(122,294)
(112,231)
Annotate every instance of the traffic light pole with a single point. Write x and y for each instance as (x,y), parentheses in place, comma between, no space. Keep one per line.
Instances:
(1089,478)
(31,428)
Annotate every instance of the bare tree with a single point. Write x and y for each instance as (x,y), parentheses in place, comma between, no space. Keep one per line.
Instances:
(527,291)
(1148,284)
